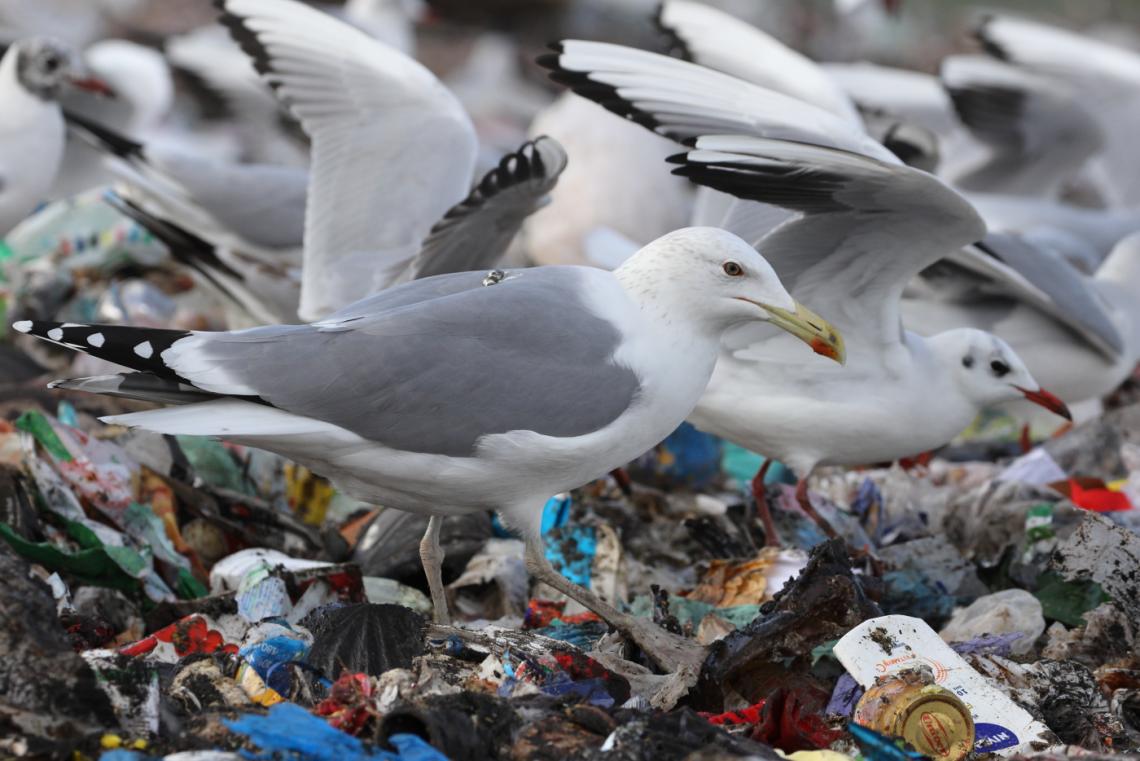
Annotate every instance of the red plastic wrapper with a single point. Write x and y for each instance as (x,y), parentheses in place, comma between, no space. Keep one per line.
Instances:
(788,719)
(193,634)
(350,703)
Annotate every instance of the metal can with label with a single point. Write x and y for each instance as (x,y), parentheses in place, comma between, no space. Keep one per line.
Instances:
(910,705)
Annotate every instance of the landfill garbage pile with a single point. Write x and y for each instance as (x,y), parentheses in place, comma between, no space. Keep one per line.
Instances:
(168,595)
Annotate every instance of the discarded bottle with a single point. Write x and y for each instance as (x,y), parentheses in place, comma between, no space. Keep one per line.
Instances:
(908,704)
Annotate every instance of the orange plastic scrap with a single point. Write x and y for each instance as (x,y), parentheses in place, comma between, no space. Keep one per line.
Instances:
(352,530)
(729,583)
(154,491)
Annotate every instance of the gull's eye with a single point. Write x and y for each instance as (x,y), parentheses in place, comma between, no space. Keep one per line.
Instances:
(732,269)
(1000,368)
(51,63)
(967,362)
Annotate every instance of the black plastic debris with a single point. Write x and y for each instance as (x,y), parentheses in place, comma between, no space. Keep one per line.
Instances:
(364,638)
(821,604)
(48,695)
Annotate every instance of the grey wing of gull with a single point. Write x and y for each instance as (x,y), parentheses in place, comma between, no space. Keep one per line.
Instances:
(1044,279)
(433,365)
(475,232)
(261,203)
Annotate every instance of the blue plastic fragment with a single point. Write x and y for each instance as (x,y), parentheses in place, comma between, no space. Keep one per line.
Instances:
(988,644)
(265,655)
(844,697)
(878,747)
(593,690)
(694,457)
(741,466)
(66,414)
(571,551)
(866,498)
(556,512)
(290,733)
(121,754)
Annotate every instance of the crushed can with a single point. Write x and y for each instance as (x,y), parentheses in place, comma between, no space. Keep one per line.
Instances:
(909,704)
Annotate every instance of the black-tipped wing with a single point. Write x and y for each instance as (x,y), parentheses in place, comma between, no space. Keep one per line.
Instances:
(1011,265)
(137,348)
(1015,110)
(864,228)
(683,101)
(718,40)
(267,293)
(474,234)
(392,149)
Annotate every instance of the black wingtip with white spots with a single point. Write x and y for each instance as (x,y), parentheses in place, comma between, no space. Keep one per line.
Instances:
(136,348)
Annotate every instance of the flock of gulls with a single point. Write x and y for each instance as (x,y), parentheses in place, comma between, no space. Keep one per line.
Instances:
(825,264)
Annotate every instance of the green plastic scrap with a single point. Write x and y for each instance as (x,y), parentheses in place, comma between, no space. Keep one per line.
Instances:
(189,588)
(37,424)
(214,464)
(690,612)
(93,565)
(1067,601)
(1039,522)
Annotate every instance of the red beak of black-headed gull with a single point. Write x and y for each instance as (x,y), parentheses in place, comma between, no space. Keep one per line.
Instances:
(469,391)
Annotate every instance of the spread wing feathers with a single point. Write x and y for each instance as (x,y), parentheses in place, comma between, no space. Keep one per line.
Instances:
(682,100)
(1013,109)
(267,293)
(392,148)
(209,54)
(720,41)
(1056,50)
(1010,265)
(255,208)
(863,227)
(475,232)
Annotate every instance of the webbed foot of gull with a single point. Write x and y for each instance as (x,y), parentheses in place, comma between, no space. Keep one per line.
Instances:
(431,555)
(668,652)
(760,497)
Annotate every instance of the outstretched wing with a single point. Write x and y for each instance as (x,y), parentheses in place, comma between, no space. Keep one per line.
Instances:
(475,232)
(720,41)
(863,227)
(392,148)
(682,100)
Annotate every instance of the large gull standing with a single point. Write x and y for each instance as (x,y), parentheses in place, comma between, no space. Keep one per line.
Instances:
(471,391)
